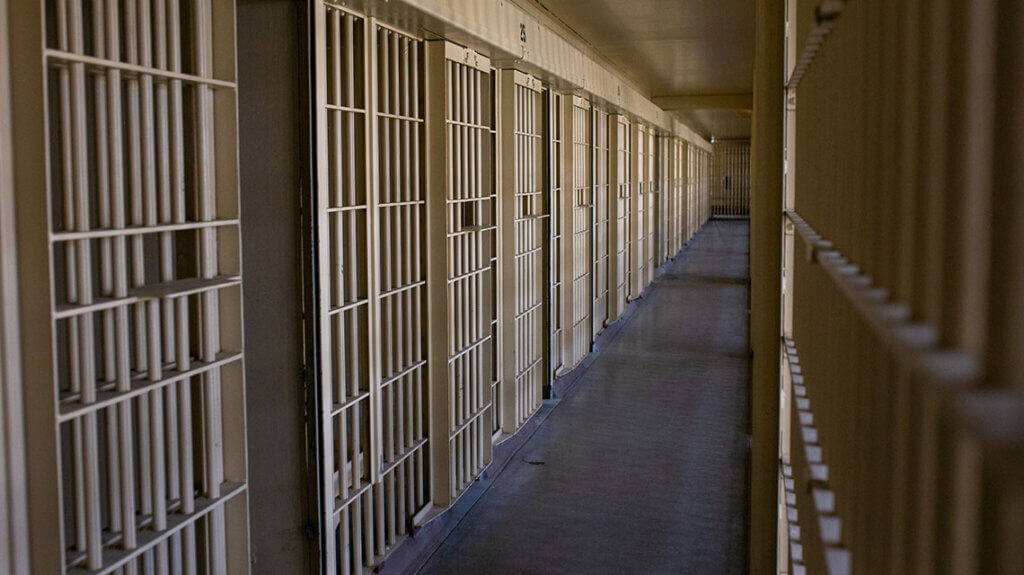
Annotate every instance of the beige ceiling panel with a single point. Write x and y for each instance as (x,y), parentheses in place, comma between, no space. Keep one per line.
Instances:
(668,47)
(694,57)
(722,124)
(498,29)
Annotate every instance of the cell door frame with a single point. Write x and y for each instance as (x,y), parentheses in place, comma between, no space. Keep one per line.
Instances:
(548,132)
(376,106)
(461,416)
(190,308)
(14,546)
(599,116)
(520,206)
(592,251)
(577,202)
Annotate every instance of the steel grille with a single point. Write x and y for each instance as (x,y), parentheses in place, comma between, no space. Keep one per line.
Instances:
(371,221)
(601,222)
(471,232)
(146,283)
(555,141)
(582,231)
(731,181)
(624,229)
(650,197)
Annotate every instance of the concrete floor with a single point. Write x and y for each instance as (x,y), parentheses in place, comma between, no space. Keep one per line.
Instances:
(642,468)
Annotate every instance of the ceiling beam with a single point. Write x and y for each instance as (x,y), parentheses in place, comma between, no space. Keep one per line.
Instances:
(706,102)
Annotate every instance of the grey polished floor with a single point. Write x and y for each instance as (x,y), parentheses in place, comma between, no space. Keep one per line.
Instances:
(641,469)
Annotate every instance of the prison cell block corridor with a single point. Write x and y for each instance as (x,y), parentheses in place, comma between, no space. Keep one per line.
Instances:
(663,405)
(354,287)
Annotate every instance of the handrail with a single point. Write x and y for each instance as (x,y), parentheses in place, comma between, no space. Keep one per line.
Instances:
(836,558)
(914,344)
(825,16)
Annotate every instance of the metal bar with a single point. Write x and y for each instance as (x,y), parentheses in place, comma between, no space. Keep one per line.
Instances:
(116,125)
(71,58)
(14,513)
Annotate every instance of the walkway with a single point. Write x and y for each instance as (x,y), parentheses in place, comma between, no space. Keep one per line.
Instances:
(641,469)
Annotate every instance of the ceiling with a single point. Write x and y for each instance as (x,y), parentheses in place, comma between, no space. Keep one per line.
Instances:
(675,51)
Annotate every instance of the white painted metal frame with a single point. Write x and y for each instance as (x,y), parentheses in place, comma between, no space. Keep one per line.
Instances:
(494,289)
(650,178)
(583,237)
(137,356)
(663,203)
(402,486)
(470,272)
(460,199)
(14,544)
(371,224)
(681,196)
(601,223)
(692,197)
(624,229)
(343,308)
(674,205)
(559,285)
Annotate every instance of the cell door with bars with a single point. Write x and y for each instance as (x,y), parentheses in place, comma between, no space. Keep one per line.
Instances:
(602,237)
(463,201)
(370,267)
(623,196)
(689,198)
(492,174)
(640,234)
(662,204)
(401,487)
(680,197)
(582,237)
(692,200)
(135,231)
(555,141)
(529,268)
(650,220)
(672,193)
(730,168)
(14,541)
(645,189)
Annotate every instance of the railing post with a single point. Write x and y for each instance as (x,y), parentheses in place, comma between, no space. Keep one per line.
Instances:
(766,280)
